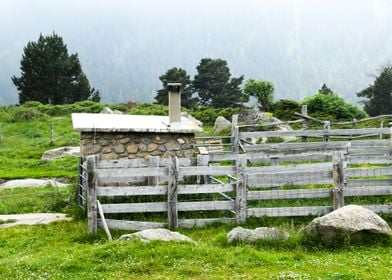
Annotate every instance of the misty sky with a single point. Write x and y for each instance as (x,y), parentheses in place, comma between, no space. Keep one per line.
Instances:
(124,46)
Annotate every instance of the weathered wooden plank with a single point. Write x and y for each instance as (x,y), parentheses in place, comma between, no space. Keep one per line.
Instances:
(91,194)
(368,191)
(138,163)
(354,150)
(235,141)
(315,133)
(338,180)
(289,194)
(146,207)
(289,211)
(172,210)
(368,172)
(257,157)
(153,163)
(323,166)
(191,223)
(131,191)
(314,146)
(289,178)
(132,225)
(369,159)
(124,174)
(368,182)
(206,170)
(387,209)
(205,205)
(222,156)
(103,221)
(241,189)
(206,188)
(202,160)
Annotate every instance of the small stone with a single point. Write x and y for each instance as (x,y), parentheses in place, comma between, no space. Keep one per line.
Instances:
(186,146)
(125,140)
(131,156)
(180,141)
(173,145)
(252,235)
(119,148)
(109,156)
(142,148)
(156,153)
(180,153)
(106,110)
(132,148)
(146,140)
(104,142)
(106,150)
(152,147)
(162,148)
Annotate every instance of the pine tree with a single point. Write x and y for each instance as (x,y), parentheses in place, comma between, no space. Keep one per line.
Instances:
(215,87)
(176,75)
(51,76)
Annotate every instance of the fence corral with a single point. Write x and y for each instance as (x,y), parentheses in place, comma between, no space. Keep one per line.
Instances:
(252,182)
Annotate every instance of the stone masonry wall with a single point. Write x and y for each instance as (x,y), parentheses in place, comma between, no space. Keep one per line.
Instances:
(117,145)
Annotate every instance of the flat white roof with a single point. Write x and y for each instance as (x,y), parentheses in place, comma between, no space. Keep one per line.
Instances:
(131,123)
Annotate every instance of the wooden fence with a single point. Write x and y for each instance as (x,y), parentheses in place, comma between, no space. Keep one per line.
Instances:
(244,194)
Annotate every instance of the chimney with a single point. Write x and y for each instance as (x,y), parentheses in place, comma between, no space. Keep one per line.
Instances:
(174,102)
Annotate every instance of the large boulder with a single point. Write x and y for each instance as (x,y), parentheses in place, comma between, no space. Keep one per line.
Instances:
(31,183)
(240,234)
(221,124)
(61,152)
(106,110)
(353,221)
(160,234)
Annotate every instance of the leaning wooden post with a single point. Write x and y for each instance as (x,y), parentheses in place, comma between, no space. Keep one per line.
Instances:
(304,112)
(51,133)
(327,129)
(91,194)
(240,196)
(235,141)
(153,162)
(202,160)
(172,212)
(338,179)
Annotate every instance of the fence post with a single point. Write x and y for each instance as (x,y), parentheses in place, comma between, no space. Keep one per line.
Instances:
(240,191)
(304,111)
(172,213)
(202,160)
(153,162)
(235,147)
(327,128)
(51,133)
(338,179)
(91,194)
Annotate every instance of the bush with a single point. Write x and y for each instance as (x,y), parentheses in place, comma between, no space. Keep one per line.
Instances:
(332,107)
(284,109)
(149,109)
(22,113)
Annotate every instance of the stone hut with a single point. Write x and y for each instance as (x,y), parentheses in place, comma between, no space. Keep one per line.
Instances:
(115,136)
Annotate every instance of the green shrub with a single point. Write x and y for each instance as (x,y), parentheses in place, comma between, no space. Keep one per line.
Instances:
(149,109)
(22,113)
(333,107)
(284,109)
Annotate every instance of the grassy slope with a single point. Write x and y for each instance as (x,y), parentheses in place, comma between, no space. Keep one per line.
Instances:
(24,142)
(64,251)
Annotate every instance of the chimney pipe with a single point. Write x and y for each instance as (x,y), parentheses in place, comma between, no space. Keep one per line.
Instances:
(174,102)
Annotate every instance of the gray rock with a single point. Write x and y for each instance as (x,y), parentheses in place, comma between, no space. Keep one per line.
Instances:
(117,112)
(252,235)
(61,152)
(191,118)
(31,183)
(349,221)
(160,234)
(106,110)
(221,124)
(32,219)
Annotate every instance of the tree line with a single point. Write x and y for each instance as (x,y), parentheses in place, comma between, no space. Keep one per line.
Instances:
(52,76)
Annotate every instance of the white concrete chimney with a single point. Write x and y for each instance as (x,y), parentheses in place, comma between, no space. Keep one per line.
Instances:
(174,102)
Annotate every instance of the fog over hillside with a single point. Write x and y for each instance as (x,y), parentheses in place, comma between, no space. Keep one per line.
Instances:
(124,46)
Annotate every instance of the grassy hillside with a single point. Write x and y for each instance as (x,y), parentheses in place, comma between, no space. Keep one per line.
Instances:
(65,251)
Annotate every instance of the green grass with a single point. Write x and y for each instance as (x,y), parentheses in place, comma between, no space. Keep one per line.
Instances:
(64,251)
(23,144)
